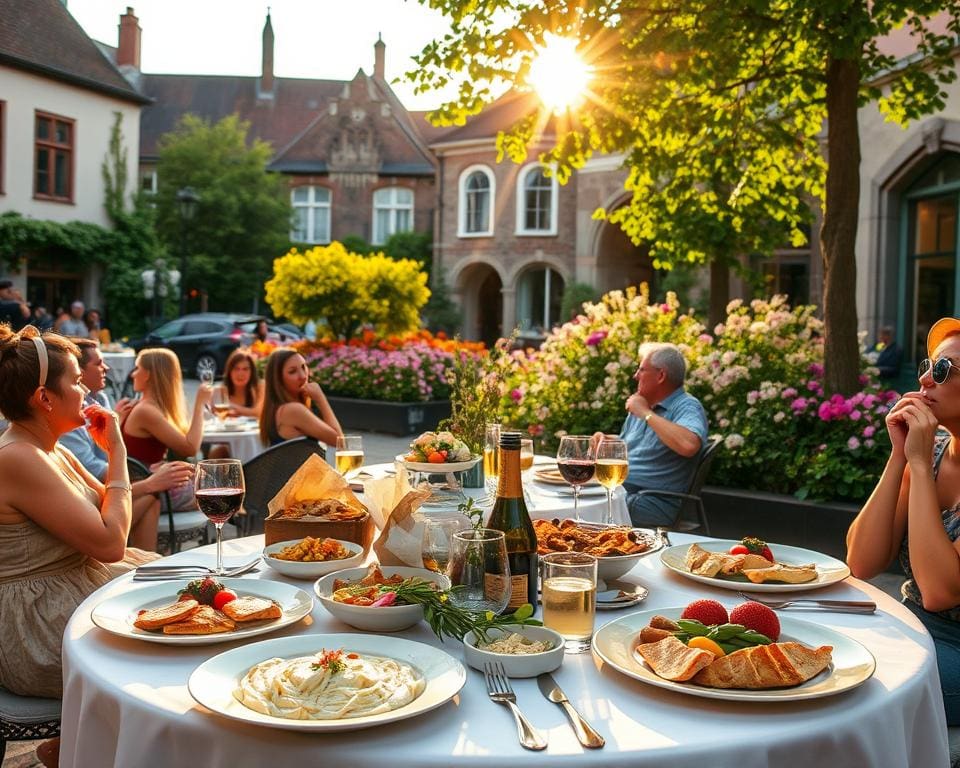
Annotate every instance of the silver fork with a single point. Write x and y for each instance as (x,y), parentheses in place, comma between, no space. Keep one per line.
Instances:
(163,573)
(500,691)
(840,606)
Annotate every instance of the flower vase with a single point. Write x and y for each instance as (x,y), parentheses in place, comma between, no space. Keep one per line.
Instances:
(473,477)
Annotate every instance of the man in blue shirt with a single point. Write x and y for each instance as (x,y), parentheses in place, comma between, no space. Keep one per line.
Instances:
(665,431)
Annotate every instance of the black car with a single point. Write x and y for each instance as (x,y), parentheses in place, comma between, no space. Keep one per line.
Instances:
(202,342)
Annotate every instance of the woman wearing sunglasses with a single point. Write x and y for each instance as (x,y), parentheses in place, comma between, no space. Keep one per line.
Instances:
(914,512)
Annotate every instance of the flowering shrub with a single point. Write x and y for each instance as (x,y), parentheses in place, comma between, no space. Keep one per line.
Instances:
(758,375)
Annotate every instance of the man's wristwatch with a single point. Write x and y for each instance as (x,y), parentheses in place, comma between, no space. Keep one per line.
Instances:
(647,417)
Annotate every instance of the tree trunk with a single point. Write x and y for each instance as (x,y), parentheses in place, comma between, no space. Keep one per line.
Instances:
(839,231)
(719,292)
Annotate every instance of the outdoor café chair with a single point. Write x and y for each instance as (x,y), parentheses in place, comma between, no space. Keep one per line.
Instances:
(27,718)
(174,527)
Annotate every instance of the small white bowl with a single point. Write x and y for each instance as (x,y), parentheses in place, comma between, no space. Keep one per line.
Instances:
(610,568)
(517,665)
(390,618)
(311,570)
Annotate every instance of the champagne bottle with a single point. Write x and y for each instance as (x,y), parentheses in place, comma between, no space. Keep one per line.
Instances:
(510,516)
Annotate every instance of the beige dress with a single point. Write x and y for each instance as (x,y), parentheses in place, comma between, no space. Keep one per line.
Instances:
(42,581)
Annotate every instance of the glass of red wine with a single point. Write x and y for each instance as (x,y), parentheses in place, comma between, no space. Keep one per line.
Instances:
(219,488)
(577,462)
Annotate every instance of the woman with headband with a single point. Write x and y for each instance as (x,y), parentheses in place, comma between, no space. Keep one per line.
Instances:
(914,512)
(59,526)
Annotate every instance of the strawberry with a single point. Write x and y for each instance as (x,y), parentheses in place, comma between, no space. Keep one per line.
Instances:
(757,617)
(706,612)
(201,590)
(758,547)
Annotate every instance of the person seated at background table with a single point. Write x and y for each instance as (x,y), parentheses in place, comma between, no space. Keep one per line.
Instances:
(72,324)
(242,384)
(886,354)
(665,430)
(294,406)
(262,331)
(95,329)
(914,512)
(80,442)
(60,527)
(13,309)
(157,422)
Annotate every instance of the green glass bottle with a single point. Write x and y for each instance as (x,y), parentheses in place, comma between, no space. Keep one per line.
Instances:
(510,516)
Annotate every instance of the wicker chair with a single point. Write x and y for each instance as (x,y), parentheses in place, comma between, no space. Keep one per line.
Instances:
(267,473)
(173,527)
(691,501)
(26,718)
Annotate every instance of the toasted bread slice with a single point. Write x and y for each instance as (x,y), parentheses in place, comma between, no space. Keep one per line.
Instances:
(777,665)
(206,621)
(789,574)
(154,618)
(653,634)
(251,608)
(672,660)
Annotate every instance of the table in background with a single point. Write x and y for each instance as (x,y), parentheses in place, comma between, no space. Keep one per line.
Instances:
(121,363)
(244,443)
(132,701)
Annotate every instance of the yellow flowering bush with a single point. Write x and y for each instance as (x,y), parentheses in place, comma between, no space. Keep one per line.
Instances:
(348,291)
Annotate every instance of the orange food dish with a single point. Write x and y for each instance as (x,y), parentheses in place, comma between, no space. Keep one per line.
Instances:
(568,536)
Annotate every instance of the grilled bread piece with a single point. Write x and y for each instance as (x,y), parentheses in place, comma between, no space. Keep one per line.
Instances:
(672,660)
(206,621)
(653,634)
(250,608)
(738,563)
(789,574)
(154,618)
(662,622)
(777,665)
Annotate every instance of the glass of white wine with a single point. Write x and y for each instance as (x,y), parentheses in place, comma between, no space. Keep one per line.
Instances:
(569,597)
(220,404)
(491,456)
(612,468)
(349,455)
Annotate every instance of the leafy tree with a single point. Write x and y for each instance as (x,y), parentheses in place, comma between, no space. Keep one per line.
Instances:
(441,313)
(411,245)
(719,107)
(574,295)
(242,219)
(347,290)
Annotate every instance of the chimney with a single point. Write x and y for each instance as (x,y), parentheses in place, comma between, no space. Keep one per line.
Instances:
(266,76)
(128,48)
(379,54)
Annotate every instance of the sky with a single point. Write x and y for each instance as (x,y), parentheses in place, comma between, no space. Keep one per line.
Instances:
(319,39)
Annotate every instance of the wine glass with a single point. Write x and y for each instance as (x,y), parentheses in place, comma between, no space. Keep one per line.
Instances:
(438,533)
(612,468)
(207,376)
(576,461)
(349,454)
(220,404)
(219,488)
(479,571)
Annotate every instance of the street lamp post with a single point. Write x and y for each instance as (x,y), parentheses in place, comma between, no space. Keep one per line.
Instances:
(156,282)
(187,201)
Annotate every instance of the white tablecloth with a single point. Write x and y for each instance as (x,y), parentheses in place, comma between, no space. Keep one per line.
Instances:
(244,443)
(126,703)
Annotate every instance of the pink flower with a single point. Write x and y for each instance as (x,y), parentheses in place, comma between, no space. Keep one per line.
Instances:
(595,338)
(869,431)
(853,443)
(825,411)
(535,430)
(517,395)
(665,308)
(799,404)
(855,415)
(788,393)
(705,338)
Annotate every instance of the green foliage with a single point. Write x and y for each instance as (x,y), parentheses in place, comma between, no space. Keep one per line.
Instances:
(440,312)
(357,244)
(242,219)
(347,290)
(114,171)
(417,246)
(574,295)
(474,396)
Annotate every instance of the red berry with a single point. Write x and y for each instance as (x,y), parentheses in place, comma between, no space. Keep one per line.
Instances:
(757,617)
(706,612)
(739,549)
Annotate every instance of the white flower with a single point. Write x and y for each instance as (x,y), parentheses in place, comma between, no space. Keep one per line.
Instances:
(733,441)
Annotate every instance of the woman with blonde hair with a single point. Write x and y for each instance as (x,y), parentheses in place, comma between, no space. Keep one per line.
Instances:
(294,406)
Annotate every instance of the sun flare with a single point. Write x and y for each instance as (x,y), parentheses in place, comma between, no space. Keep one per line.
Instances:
(558,74)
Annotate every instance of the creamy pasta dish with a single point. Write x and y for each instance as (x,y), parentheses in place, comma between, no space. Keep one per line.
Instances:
(330,685)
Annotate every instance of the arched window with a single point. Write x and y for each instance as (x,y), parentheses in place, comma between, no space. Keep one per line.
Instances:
(536,202)
(311,214)
(392,212)
(477,189)
(539,292)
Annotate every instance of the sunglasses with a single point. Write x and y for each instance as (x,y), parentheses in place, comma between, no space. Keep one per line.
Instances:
(939,368)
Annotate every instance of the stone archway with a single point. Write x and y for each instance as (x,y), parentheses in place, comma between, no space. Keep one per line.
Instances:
(480,292)
(618,262)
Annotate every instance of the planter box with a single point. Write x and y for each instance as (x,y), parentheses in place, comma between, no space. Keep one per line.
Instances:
(734,513)
(391,418)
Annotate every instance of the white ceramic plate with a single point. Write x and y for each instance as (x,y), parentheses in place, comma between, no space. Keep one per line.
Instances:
(632,594)
(311,570)
(213,682)
(852,664)
(829,569)
(117,613)
(438,469)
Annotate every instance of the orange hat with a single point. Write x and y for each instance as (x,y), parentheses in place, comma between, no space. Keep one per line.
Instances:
(945,326)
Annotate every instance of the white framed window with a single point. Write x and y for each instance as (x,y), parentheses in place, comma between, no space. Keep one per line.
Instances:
(311,214)
(536,201)
(539,293)
(392,212)
(477,195)
(148,182)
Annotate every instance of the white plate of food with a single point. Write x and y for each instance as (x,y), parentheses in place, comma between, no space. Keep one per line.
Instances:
(213,683)
(852,664)
(116,614)
(438,469)
(829,570)
(295,562)
(617,548)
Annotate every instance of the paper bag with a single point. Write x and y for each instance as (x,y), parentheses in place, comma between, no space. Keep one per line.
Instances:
(314,480)
(401,539)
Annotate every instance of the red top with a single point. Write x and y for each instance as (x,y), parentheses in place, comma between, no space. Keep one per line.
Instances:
(147,450)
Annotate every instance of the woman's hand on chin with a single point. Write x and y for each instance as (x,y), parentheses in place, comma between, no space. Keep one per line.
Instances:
(104,427)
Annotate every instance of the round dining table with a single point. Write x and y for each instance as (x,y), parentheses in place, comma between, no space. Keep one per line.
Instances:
(240,435)
(126,702)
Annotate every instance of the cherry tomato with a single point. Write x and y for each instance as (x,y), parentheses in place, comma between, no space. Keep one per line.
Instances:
(739,549)
(223,597)
(436,458)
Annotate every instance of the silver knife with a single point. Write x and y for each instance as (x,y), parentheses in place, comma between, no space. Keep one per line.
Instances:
(585,733)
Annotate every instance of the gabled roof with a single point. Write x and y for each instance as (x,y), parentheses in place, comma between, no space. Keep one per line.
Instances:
(499,116)
(41,36)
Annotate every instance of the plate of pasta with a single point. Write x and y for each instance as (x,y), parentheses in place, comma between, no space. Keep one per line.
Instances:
(327,682)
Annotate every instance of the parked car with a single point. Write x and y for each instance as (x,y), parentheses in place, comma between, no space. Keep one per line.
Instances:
(202,342)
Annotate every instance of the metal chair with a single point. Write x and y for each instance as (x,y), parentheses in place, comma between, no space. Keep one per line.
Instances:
(691,500)
(266,474)
(26,718)
(174,527)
